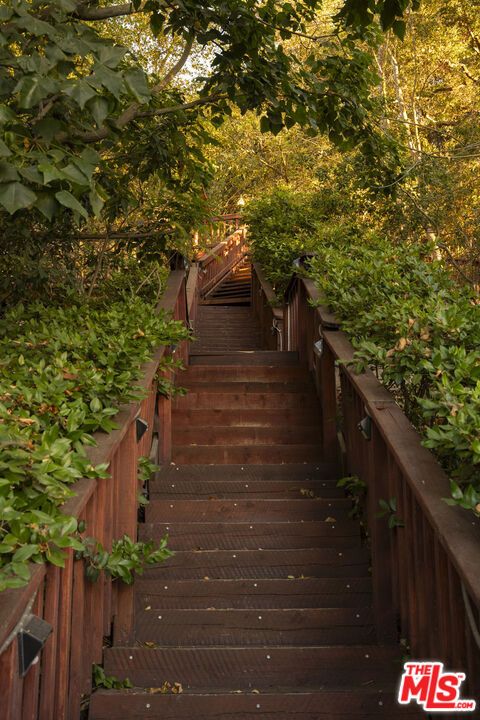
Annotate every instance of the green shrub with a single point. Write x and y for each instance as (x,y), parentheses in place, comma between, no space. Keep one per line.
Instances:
(410,323)
(64,371)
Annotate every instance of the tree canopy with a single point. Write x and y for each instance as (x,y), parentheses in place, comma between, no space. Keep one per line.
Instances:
(77,107)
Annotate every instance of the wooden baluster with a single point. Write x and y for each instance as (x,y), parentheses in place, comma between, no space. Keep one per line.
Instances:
(31,683)
(124,623)
(11,684)
(325,379)
(380,538)
(64,632)
(49,654)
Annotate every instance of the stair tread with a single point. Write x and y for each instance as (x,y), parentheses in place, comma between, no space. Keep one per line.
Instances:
(298,705)
(235,489)
(233,436)
(258,594)
(219,454)
(231,667)
(293,471)
(254,357)
(252,535)
(251,627)
(248,510)
(257,564)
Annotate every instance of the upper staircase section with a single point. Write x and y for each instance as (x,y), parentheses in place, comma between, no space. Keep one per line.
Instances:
(235,288)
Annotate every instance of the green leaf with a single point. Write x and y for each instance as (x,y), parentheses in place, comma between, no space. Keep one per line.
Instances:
(95,405)
(15,196)
(80,91)
(47,205)
(24,553)
(31,90)
(8,173)
(137,84)
(98,106)
(96,202)
(66,199)
(4,150)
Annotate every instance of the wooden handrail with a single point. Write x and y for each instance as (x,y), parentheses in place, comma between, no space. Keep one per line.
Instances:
(82,613)
(420,566)
(226,254)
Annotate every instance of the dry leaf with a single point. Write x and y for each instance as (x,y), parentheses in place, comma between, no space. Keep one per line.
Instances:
(330,519)
(177,688)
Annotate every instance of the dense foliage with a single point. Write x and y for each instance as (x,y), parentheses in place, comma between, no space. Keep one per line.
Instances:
(426,98)
(407,318)
(63,373)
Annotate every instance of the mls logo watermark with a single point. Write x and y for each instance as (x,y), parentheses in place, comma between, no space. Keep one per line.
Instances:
(434,689)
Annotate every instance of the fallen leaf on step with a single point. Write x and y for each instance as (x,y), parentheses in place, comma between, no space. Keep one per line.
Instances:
(330,519)
(206,577)
(150,644)
(177,688)
(256,692)
(149,607)
(307,493)
(291,577)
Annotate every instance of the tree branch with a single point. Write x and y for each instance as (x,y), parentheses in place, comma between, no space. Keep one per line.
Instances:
(176,68)
(104,13)
(183,106)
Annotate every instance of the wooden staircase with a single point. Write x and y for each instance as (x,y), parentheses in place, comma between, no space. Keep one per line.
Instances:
(265,609)
(235,288)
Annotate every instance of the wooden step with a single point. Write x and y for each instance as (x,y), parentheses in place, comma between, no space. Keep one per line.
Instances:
(241,300)
(248,536)
(261,594)
(251,400)
(228,454)
(321,705)
(175,511)
(242,373)
(248,418)
(258,564)
(255,357)
(297,472)
(265,669)
(244,628)
(219,435)
(262,386)
(243,489)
